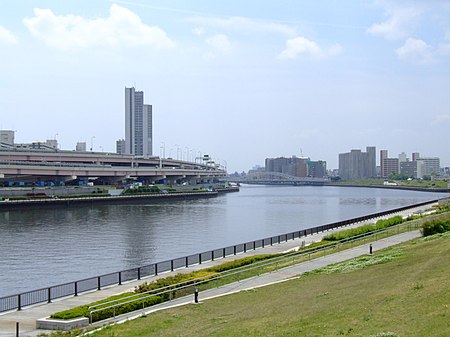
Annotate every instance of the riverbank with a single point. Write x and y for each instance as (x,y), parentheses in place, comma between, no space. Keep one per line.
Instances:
(104,198)
(26,317)
(90,200)
(393,187)
(399,291)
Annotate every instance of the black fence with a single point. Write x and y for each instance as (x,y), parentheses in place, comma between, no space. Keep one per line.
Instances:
(17,302)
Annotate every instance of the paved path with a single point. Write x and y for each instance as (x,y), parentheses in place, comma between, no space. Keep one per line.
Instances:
(28,316)
(280,275)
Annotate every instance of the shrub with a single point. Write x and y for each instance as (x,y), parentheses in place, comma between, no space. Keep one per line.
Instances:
(241,262)
(189,278)
(171,280)
(82,311)
(124,308)
(436,226)
(396,220)
(142,190)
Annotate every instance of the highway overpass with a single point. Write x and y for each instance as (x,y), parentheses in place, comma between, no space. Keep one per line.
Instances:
(109,167)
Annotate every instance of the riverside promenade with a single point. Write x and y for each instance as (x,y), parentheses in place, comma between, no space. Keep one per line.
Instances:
(27,317)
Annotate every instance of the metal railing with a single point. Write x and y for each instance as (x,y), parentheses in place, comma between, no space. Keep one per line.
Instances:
(188,287)
(46,295)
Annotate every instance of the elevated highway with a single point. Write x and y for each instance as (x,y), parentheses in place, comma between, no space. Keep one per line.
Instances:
(71,165)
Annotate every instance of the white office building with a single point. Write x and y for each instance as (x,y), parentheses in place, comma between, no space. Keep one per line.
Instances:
(431,165)
(138,124)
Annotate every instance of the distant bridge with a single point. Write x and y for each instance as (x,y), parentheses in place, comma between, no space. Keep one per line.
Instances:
(276,178)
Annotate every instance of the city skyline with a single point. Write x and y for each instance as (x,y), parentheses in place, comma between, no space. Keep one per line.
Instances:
(379,164)
(240,81)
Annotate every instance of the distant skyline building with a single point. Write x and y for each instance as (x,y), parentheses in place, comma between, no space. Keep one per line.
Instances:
(293,166)
(297,167)
(80,147)
(138,124)
(357,164)
(431,165)
(390,166)
(316,169)
(120,146)
(416,168)
(383,156)
(7,137)
(412,169)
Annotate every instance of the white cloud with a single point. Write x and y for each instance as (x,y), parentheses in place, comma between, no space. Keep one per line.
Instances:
(219,42)
(444,49)
(121,27)
(335,49)
(199,31)
(399,23)
(415,50)
(6,36)
(441,119)
(302,46)
(242,24)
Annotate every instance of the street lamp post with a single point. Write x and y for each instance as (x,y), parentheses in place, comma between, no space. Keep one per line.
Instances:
(56,141)
(178,150)
(92,142)
(163,149)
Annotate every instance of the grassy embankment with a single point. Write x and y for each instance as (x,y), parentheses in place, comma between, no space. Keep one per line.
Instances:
(437,225)
(431,184)
(143,295)
(403,290)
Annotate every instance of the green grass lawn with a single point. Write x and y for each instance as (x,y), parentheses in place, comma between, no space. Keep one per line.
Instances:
(404,290)
(410,183)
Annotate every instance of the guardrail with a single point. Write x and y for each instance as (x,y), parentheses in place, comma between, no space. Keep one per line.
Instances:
(19,301)
(189,287)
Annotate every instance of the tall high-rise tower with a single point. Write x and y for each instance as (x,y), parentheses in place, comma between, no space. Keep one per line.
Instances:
(138,124)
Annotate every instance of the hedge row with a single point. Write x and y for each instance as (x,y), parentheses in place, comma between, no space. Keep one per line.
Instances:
(188,278)
(348,233)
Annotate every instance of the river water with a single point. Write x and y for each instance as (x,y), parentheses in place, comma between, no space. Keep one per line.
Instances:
(44,247)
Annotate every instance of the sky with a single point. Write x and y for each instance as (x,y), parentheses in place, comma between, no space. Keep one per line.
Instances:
(239,80)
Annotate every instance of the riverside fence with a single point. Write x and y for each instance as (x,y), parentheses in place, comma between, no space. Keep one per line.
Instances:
(46,295)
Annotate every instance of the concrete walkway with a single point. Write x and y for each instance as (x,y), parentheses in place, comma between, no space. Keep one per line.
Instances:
(28,316)
(280,275)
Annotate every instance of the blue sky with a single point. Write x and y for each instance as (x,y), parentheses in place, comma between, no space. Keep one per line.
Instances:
(239,80)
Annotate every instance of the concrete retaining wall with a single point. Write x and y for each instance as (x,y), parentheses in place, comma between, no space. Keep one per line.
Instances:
(48,323)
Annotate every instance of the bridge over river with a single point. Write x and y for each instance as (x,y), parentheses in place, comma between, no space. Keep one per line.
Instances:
(276,178)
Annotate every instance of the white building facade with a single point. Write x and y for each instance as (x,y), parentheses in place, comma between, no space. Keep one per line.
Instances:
(138,124)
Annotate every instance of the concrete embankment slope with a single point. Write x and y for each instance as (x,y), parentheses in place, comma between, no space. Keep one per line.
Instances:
(66,202)
(28,316)
(281,275)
